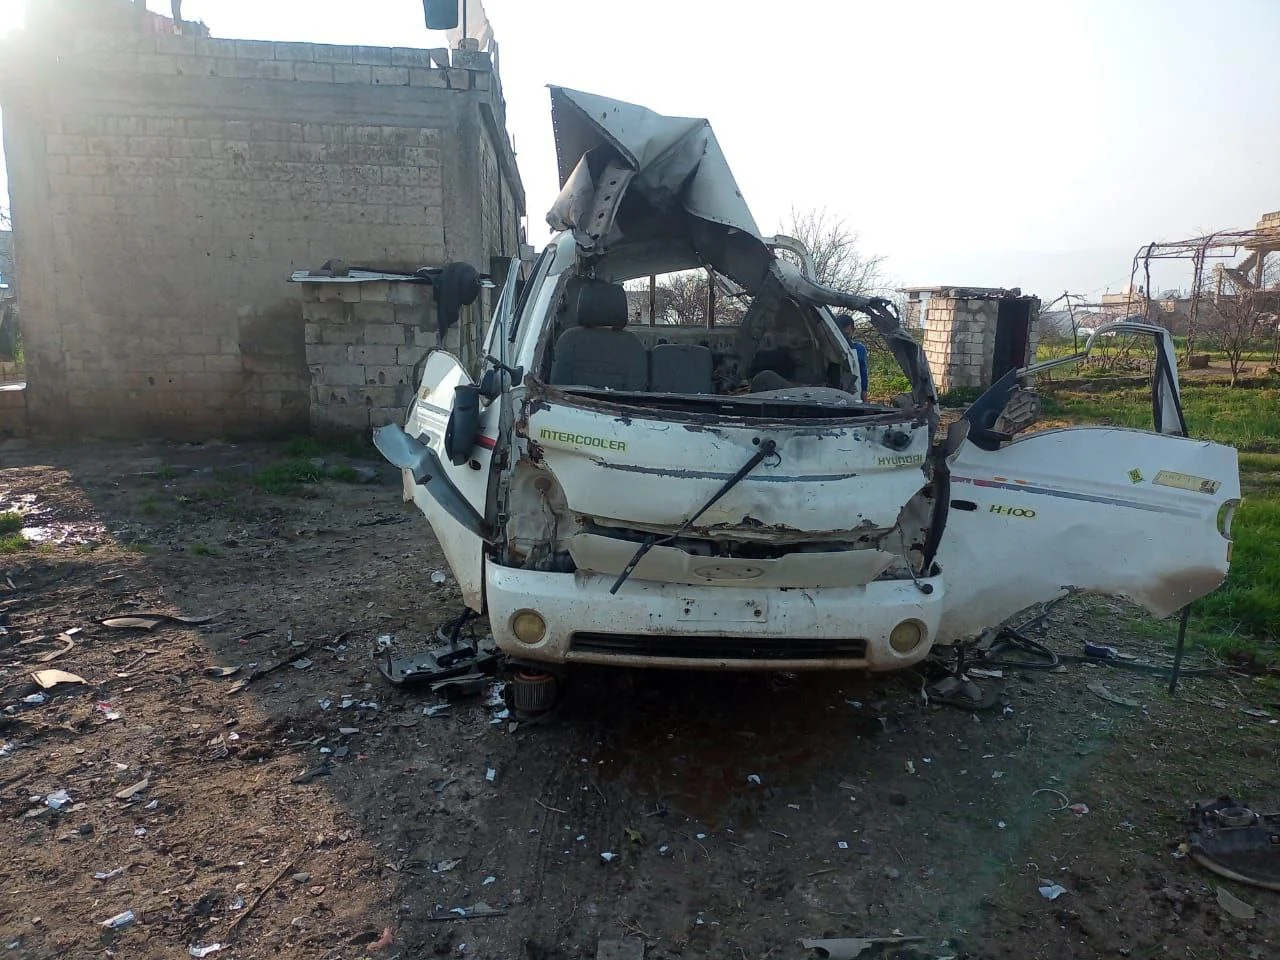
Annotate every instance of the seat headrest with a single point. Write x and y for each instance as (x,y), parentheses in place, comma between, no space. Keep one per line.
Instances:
(595,303)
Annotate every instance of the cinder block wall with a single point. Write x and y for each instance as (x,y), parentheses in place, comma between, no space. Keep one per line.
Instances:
(164,188)
(959,341)
(363,342)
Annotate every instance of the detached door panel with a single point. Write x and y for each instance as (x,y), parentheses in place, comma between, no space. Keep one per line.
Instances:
(1119,512)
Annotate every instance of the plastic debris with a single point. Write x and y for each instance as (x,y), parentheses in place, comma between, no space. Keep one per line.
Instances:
(139,831)
(108,874)
(348,731)
(152,805)
(219,672)
(129,792)
(435,709)
(842,845)
(753,778)
(491,775)
(488,880)
(108,710)
(1051,891)
(1100,690)
(444,866)
(197,950)
(478,909)
(303,663)
(384,642)
(911,767)
(1079,809)
(1229,902)
(120,920)
(439,576)
(35,699)
(325,704)
(57,800)
(48,679)
(608,856)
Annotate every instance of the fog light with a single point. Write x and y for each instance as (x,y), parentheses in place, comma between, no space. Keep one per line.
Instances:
(528,626)
(906,636)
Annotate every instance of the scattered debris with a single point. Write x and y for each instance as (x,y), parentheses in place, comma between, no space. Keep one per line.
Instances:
(1229,902)
(753,778)
(296,655)
(108,874)
(384,642)
(444,866)
(1100,690)
(491,775)
(608,856)
(849,948)
(219,672)
(34,699)
(57,800)
(120,920)
(197,950)
(303,663)
(1079,809)
(108,710)
(320,771)
(383,942)
(1233,841)
(253,905)
(55,654)
(439,576)
(149,621)
(476,911)
(128,793)
(1051,891)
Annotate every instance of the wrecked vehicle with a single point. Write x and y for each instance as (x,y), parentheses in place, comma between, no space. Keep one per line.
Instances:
(721,496)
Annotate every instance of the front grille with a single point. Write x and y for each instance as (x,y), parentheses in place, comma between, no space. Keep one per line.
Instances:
(717,648)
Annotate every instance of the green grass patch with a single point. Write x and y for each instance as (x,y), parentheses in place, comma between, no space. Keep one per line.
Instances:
(346,444)
(203,550)
(11,522)
(1246,418)
(291,477)
(1248,604)
(12,543)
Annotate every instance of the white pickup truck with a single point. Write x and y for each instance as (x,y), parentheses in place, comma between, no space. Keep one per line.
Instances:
(722,497)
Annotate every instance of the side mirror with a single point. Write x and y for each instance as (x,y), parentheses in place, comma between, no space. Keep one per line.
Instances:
(441,14)
(464,424)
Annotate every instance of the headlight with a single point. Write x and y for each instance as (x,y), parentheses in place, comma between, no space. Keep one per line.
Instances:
(906,636)
(528,626)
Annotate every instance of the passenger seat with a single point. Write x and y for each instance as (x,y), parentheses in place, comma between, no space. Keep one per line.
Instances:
(596,350)
(681,368)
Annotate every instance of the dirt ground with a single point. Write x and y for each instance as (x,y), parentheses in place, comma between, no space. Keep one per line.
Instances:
(874,811)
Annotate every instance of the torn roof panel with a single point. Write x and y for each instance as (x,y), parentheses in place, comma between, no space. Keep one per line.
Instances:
(629,175)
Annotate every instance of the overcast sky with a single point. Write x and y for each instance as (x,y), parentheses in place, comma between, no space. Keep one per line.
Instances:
(1033,143)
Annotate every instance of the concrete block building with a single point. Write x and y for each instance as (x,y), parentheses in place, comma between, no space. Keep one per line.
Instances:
(973,335)
(164,188)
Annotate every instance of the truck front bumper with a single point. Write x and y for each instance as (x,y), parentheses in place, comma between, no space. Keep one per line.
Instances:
(651,624)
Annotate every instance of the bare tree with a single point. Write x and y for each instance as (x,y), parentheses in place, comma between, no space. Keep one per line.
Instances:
(1241,322)
(837,258)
